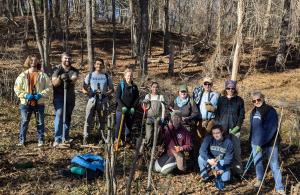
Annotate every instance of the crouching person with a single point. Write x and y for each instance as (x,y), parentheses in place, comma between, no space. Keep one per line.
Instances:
(177,140)
(216,153)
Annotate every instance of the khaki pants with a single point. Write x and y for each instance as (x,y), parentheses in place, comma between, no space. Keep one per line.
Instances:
(91,110)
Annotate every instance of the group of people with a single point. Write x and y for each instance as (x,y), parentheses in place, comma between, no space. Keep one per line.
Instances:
(204,126)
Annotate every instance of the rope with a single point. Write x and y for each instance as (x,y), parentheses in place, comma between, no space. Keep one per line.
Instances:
(278,128)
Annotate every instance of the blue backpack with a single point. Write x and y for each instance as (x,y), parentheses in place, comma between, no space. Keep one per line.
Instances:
(88,166)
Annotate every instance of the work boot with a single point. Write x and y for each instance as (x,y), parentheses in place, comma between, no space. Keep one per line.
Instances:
(257,183)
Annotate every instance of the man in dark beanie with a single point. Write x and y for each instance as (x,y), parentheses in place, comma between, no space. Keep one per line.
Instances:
(263,130)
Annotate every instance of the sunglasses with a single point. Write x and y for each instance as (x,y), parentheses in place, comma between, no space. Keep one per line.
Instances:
(207,83)
(183,91)
(256,101)
(230,88)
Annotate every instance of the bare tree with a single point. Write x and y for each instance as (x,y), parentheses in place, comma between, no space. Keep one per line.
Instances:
(239,39)
(281,51)
(166,28)
(113,2)
(89,34)
(267,19)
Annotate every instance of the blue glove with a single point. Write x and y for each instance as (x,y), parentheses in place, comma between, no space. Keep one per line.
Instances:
(37,96)
(29,96)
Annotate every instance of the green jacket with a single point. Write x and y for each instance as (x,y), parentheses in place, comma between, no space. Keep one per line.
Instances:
(21,87)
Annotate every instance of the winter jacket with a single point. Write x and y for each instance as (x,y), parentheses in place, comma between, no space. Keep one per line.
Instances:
(127,97)
(263,127)
(176,137)
(211,148)
(21,87)
(189,110)
(230,112)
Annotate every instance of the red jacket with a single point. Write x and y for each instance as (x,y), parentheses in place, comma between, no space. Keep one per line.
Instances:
(176,137)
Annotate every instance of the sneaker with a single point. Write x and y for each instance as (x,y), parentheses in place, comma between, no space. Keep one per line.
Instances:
(55,144)
(21,144)
(257,183)
(281,192)
(40,143)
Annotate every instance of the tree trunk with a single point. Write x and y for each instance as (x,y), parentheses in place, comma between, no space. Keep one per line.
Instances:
(171,61)
(94,10)
(281,51)
(36,30)
(134,8)
(267,20)
(89,34)
(166,28)
(239,39)
(144,37)
(66,27)
(113,2)
(209,17)
(46,38)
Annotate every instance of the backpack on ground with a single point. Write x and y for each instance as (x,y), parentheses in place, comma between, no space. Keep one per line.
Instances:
(88,166)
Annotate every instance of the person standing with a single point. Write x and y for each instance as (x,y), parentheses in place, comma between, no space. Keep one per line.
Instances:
(156,110)
(263,130)
(207,104)
(63,74)
(127,97)
(98,85)
(186,105)
(32,87)
(230,114)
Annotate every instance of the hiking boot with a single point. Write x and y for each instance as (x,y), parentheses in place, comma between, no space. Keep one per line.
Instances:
(257,183)
(281,192)
(41,143)
(55,144)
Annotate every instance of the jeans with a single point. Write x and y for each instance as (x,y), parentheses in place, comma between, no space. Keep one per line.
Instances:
(91,110)
(274,165)
(220,166)
(127,123)
(58,121)
(26,112)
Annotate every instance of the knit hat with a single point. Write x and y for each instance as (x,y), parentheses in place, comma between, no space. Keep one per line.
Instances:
(230,84)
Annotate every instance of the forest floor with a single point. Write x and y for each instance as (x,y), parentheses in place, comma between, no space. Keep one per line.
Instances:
(33,170)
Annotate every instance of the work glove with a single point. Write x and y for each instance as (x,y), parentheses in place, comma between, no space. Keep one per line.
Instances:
(258,149)
(38,96)
(209,107)
(124,110)
(65,77)
(29,96)
(234,130)
(132,111)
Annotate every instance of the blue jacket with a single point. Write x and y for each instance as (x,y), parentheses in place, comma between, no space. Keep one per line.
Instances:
(211,148)
(264,134)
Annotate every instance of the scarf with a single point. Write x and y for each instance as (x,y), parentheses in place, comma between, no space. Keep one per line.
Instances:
(181,102)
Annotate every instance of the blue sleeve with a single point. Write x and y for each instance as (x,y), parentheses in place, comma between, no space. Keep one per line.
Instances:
(204,149)
(214,100)
(228,155)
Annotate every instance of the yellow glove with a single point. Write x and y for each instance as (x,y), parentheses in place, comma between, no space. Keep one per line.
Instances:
(209,107)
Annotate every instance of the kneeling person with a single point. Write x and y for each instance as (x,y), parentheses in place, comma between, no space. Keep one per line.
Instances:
(177,140)
(216,153)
